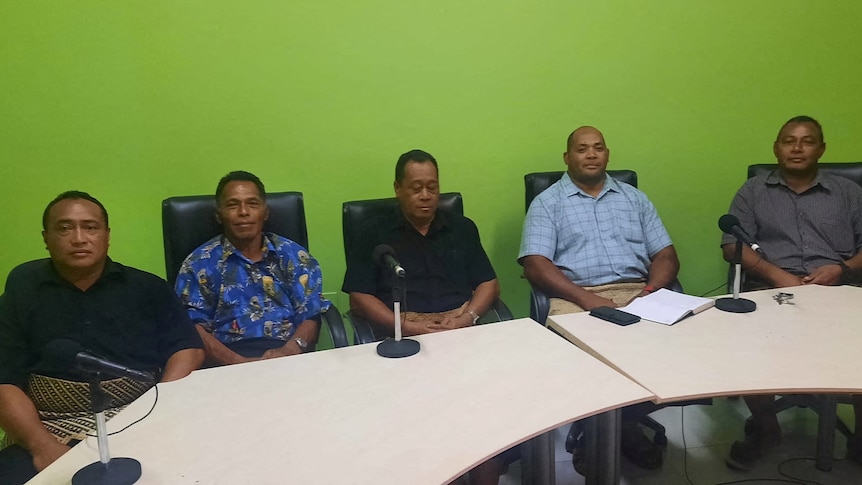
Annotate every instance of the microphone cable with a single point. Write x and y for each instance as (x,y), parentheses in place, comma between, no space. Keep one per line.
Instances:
(155,401)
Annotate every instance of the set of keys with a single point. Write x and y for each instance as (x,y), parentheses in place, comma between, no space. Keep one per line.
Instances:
(783,298)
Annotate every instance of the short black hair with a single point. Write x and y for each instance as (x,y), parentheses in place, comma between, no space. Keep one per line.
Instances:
(73,194)
(803,119)
(239,176)
(414,155)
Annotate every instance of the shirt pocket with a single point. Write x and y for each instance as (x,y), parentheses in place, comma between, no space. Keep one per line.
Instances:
(628,227)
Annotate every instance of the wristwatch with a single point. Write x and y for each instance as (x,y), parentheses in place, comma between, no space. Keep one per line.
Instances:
(303,345)
(475,316)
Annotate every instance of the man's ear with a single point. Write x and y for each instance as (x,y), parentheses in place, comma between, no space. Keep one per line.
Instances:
(217,217)
(45,238)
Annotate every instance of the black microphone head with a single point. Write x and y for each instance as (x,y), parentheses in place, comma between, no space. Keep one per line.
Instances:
(380,251)
(61,353)
(727,222)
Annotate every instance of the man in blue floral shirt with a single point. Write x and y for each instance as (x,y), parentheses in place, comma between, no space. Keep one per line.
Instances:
(253,295)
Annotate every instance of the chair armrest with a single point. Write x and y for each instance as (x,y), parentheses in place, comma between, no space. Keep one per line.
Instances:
(540,305)
(334,322)
(362,331)
(497,313)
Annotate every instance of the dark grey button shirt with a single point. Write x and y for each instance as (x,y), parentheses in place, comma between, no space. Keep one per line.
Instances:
(801,232)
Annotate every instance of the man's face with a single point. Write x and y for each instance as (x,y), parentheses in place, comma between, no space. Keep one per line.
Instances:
(242,212)
(798,148)
(77,236)
(587,156)
(419,192)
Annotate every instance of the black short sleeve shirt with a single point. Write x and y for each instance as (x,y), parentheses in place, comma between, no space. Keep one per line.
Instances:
(443,267)
(128,316)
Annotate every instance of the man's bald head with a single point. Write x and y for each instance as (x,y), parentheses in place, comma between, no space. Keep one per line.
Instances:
(580,132)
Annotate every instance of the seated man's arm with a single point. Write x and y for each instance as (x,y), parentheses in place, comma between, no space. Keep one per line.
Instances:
(744,207)
(543,273)
(663,270)
(216,352)
(833,274)
(757,266)
(182,363)
(483,298)
(200,306)
(308,330)
(370,308)
(19,419)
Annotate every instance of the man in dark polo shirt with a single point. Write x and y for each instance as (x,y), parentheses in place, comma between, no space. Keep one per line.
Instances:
(115,312)
(450,282)
(809,226)
(449,279)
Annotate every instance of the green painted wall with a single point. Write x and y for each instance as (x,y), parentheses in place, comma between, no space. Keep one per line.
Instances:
(137,101)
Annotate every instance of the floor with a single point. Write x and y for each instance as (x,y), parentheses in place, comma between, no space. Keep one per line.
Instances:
(709,431)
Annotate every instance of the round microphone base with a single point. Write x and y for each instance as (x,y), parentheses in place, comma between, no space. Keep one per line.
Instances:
(735,305)
(395,349)
(118,471)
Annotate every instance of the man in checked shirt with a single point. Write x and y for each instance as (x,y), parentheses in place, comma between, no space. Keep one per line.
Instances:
(809,225)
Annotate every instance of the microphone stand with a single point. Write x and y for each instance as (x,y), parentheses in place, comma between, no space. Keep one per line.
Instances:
(106,471)
(736,304)
(398,347)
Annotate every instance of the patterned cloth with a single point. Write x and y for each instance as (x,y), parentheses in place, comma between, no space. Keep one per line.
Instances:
(594,240)
(800,232)
(619,293)
(235,298)
(64,406)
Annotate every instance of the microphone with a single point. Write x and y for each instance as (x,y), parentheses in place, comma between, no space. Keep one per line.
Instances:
(67,354)
(384,255)
(729,224)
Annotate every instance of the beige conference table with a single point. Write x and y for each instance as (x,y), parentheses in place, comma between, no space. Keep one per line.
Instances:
(810,346)
(350,416)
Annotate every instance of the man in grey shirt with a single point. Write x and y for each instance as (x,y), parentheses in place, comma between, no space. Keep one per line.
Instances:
(809,226)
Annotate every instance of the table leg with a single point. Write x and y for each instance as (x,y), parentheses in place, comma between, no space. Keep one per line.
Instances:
(602,434)
(538,461)
(826,432)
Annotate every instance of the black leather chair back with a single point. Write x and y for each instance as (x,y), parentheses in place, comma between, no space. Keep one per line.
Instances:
(537,182)
(850,170)
(189,221)
(357,213)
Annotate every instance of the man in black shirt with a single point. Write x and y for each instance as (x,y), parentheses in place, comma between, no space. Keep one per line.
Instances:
(449,279)
(118,313)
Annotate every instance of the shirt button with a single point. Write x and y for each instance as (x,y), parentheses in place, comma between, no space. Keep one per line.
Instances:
(87,322)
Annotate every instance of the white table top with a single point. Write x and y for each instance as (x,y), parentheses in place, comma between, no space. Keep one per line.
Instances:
(810,346)
(350,416)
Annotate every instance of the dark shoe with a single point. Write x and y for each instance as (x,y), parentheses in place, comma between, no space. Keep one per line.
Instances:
(579,460)
(744,454)
(639,449)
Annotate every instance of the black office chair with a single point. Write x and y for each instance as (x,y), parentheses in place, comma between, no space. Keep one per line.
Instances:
(356,214)
(817,403)
(189,221)
(535,184)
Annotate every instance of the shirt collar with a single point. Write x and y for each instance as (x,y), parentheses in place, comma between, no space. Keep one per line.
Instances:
(437,224)
(570,189)
(229,249)
(774,178)
(49,273)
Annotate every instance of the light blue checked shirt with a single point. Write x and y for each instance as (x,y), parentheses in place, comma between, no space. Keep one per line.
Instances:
(594,241)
